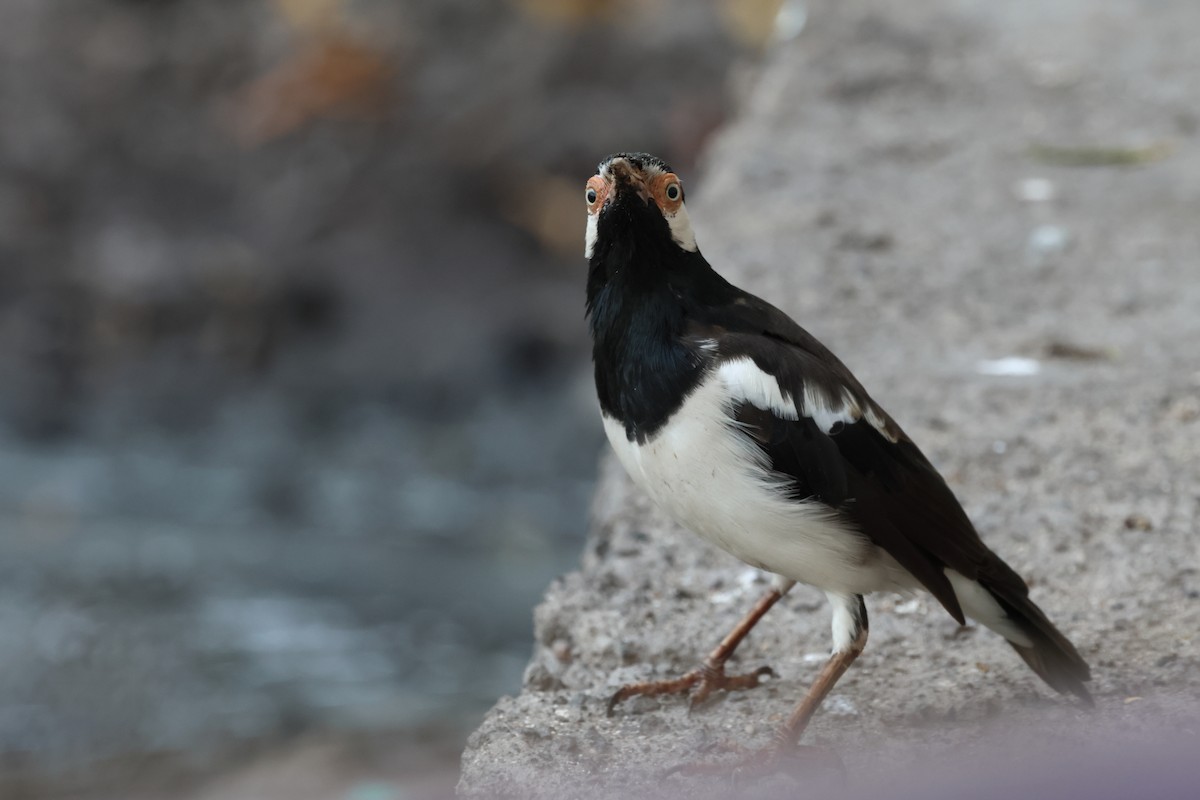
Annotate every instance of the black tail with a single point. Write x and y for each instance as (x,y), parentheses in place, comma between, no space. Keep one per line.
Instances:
(1051,656)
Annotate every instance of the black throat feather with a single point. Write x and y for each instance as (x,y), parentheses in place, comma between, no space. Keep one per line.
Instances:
(638,282)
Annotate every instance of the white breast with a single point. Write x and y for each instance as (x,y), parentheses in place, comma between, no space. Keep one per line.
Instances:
(712,477)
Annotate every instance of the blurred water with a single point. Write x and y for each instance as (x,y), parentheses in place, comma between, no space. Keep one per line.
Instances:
(257,580)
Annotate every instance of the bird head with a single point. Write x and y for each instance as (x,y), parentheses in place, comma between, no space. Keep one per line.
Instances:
(635,204)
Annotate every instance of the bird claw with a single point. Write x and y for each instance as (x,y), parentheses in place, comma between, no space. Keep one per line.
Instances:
(716,679)
(700,683)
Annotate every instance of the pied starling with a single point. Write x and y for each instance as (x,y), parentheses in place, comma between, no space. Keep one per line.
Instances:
(751,433)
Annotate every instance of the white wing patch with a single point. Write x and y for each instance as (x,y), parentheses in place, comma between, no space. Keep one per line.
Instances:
(748,383)
(826,412)
(876,421)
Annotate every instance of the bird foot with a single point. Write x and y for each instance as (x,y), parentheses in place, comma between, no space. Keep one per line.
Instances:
(700,683)
(799,761)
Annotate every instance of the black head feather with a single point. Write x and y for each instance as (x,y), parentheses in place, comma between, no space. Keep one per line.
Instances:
(641,161)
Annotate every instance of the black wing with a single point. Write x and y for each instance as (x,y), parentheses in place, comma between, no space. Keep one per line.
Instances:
(868,469)
(874,475)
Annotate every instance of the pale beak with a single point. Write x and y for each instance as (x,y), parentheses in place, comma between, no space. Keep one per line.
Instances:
(625,177)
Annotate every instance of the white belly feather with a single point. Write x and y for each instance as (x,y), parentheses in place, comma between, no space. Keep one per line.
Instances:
(712,477)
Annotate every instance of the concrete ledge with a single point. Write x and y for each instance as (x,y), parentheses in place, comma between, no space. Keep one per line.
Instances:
(931,189)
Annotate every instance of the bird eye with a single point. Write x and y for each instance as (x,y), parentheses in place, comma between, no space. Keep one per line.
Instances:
(673,191)
(595,191)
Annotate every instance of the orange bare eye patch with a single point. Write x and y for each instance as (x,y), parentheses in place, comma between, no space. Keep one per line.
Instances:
(667,191)
(595,193)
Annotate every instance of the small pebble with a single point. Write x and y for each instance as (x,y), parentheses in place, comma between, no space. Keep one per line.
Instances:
(1138,522)
(535,732)
(1045,242)
(1013,366)
(839,705)
(748,578)
(908,607)
(1034,190)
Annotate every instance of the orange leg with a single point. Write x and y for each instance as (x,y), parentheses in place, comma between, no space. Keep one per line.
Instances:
(787,754)
(710,675)
(789,735)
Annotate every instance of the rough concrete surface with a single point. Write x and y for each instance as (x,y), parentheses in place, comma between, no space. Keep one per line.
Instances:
(929,188)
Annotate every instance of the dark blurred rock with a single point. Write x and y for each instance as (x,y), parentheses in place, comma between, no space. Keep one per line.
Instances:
(294,421)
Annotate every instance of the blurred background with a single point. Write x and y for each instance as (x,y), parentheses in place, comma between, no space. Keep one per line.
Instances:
(296,419)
